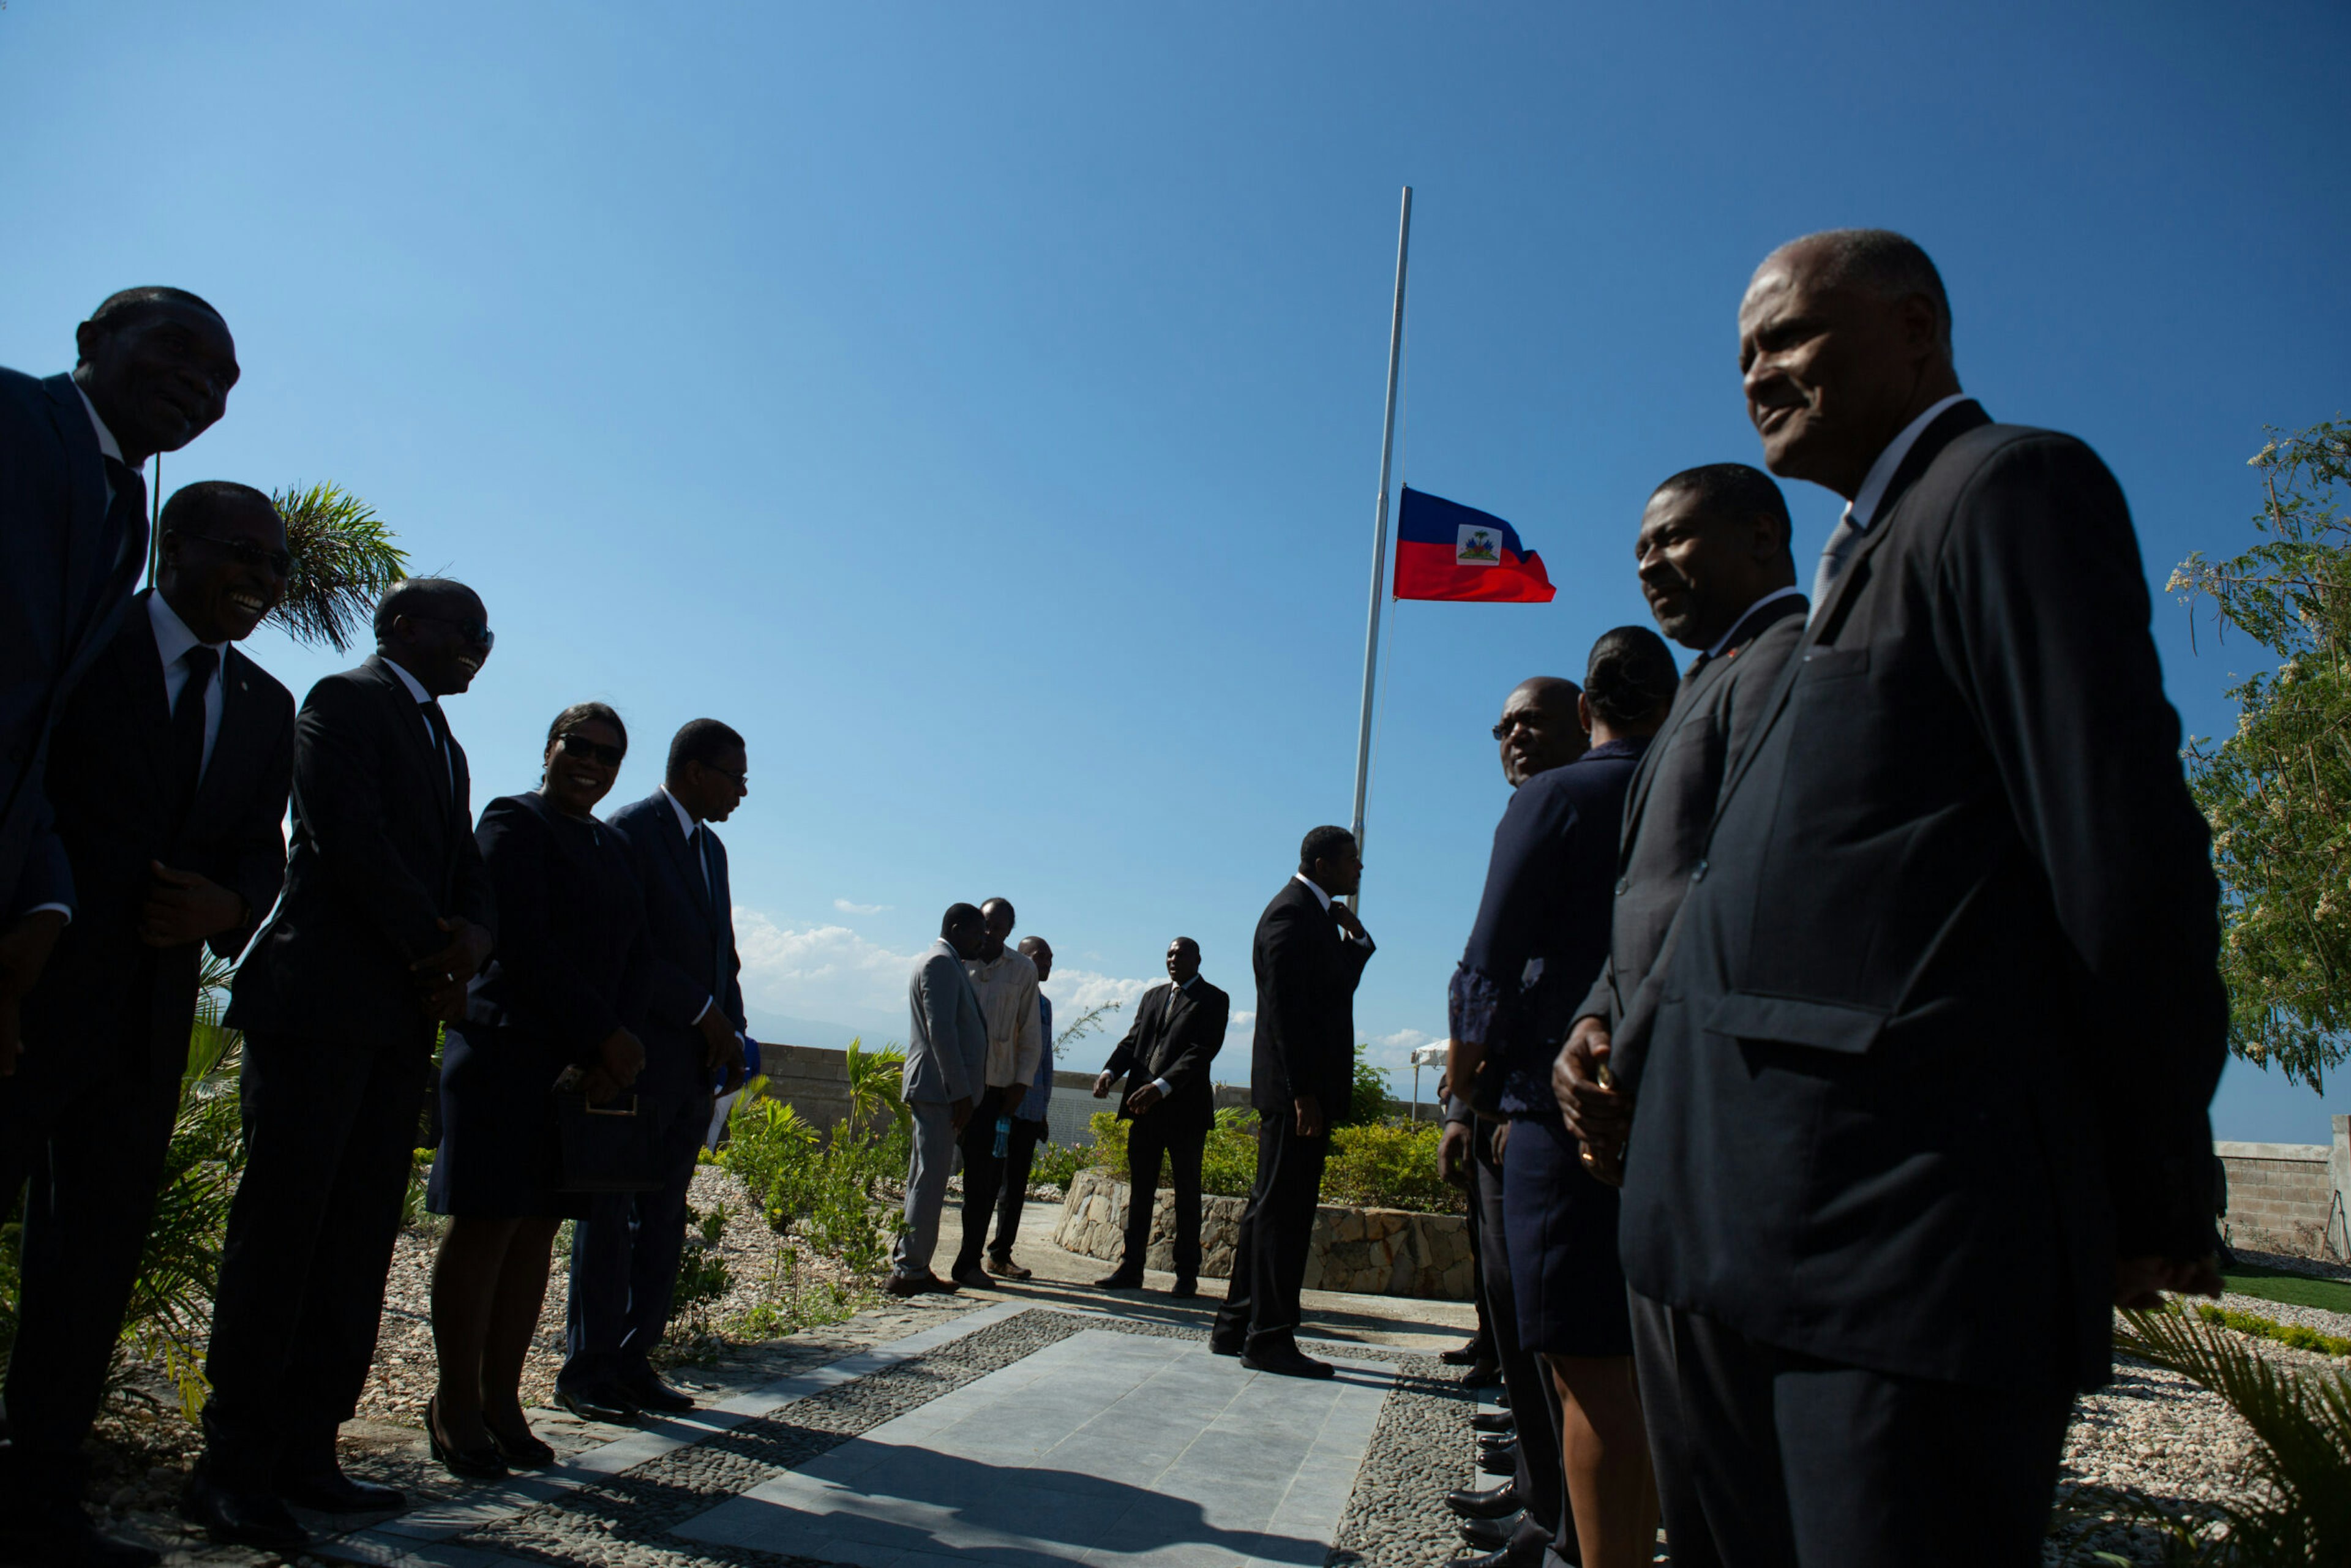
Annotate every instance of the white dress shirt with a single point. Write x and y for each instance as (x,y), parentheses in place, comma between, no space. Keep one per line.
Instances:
(416,689)
(1862,510)
(1007,985)
(106,446)
(687,825)
(1321,898)
(172,641)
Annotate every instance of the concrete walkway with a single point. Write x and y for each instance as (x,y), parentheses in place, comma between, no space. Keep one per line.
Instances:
(1042,1423)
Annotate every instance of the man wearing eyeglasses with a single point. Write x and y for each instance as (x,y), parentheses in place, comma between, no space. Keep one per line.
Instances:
(624,1256)
(152,372)
(387,915)
(169,770)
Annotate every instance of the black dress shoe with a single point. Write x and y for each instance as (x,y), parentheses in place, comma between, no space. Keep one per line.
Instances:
(1184,1288)
(1526,1554)
(524,1453)
(1497,1443)
(1120,1279)
(647,1391)
(1484,1374)
(1466,1354)
(330,1491)
(605,1402)
(1287,1364)
(1491,1503)
(54,1532)
(1219,1345)
(1502,1400)
(1489,1534)
(1500,1461)
(240,1518)
(467,1464)
(1493,1421)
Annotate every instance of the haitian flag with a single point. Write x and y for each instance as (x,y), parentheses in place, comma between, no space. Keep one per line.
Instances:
(1448,551)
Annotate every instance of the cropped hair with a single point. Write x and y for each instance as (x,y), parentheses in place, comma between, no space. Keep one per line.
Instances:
(1887,263)
(1185,942)
(1009,913)
(123,305)
(701,740)
(957,917)
(1631,676)
(1733,489)
(1323,843)
(578,713)
(407,596)
(196,507)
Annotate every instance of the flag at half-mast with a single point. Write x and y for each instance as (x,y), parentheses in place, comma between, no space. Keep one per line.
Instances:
(1448,551)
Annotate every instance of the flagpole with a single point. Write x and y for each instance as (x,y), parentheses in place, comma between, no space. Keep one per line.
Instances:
(1379,539)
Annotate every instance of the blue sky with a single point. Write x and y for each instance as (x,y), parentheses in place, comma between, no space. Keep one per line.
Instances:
(979,407)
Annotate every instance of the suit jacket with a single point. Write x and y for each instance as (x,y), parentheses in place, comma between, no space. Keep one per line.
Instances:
(119,808)
(690,954)
(1178,1031)
(67,571)
(573,960)
(1667,813)
(1306,978)
(1943,1016)
(384,849)
(947,1040)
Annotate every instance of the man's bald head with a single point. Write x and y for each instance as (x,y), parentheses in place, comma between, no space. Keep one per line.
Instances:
(1845,337)
(1538,729)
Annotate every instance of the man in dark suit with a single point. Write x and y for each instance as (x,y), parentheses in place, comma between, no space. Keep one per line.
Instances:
(1717,569)
(387,915)
(624,1256)
(168,770)
(1870,1267)
(153,373)
(1309,953)
(1179,1028)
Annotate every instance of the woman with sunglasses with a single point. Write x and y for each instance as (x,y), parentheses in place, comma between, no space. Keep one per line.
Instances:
(560,991)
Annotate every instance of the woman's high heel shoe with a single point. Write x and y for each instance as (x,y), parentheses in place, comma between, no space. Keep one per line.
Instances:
(527,1453)
(470,1464)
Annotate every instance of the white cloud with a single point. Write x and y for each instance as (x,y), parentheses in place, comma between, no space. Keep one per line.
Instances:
(1402,1041)
(848,908)
(823,972)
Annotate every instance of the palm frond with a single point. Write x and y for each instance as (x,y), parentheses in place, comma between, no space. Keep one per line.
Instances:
(344,559)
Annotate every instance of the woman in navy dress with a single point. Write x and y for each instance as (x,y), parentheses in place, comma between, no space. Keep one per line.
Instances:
(558,992)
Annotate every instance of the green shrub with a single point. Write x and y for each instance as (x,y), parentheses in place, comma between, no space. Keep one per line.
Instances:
(703,1276)
(1378,1165)
(1058,1164)
(820,1185)
(2293,1334)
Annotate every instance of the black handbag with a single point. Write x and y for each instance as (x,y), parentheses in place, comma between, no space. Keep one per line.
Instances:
(606,1148)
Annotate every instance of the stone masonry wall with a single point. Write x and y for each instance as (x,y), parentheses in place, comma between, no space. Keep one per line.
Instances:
(1368,1252)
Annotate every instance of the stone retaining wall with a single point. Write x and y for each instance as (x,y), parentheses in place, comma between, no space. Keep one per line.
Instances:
(1368,1252)
(2289,1198)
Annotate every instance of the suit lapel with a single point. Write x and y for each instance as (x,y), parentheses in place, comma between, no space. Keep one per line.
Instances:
(1644,773)
(1828,616)
(86,567)
(223,777)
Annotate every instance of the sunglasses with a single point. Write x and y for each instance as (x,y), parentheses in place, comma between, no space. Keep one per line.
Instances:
(474,632)
(246,552)
(574,744)
(723,772)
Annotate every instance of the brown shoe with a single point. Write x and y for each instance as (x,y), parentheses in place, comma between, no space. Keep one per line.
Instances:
(1002,1266)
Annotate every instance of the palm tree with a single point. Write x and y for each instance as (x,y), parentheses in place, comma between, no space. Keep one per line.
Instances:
(344,559)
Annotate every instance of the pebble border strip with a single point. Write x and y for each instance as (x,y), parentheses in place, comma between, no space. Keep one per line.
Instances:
(1392,1517)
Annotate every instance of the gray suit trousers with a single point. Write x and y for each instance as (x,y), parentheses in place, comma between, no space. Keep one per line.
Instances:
(927,1186)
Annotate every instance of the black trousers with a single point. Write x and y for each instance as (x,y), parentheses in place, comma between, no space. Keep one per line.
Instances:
(1020,1155)
(1148,1140)
(624,1258)
(1269,1247)
(330,1133)
(89,1123)
(983,1175)
(1766,1458)
(1533,1401)
(1481,1344)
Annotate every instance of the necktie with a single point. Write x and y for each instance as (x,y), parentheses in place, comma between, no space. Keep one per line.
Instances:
(438,723)
(126,519)
(710,902)
(188,723)
(1835,556)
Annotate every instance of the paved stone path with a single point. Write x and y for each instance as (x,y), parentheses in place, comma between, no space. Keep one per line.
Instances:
(1018,1435)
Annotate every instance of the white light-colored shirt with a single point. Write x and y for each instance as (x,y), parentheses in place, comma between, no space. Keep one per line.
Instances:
(1320,897)
(172,641)
(1724,641)
(107,444)
(1862,510)
(1007,985)
(416,689)
(687,825)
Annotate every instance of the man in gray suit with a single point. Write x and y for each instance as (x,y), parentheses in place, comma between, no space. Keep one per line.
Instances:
(1717,570)
(947,1067)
